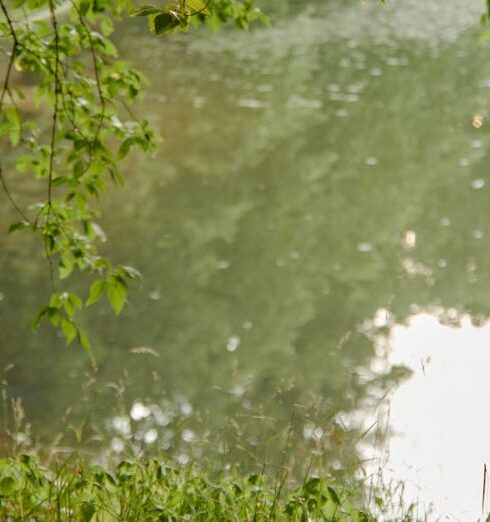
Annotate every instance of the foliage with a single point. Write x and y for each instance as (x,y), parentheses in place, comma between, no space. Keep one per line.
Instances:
(181,14)
(65,113)
(155,491)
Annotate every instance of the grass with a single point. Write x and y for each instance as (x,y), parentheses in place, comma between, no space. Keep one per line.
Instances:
(46,482)
(153,491)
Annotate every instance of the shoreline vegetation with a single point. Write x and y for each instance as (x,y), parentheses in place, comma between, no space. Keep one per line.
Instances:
(73,490)
(41,481)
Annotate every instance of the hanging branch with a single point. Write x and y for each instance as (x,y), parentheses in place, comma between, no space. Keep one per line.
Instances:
(4,91)
(57,88)
(13,52)
(98,84)
(85,136)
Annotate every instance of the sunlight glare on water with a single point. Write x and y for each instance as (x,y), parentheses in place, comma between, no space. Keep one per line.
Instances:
(440,415)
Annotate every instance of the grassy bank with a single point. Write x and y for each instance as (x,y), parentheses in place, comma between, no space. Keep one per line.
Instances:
(75,491)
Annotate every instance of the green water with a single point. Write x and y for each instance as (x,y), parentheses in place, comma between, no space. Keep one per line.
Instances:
(313,176)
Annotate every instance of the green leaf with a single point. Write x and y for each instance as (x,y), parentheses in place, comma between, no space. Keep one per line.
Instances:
(163,22)
(117,292)
(4,29)
(131,272)
(83,340)
(19,225)
(7,486)
(88,511)
(55,300)
(106,26)
(116,177)
(311,486)
(65,267)
(126,144)
(73,301)
(105,478)
(333,495)
(253,478)
(29,461)
(198,6)
(69,330)
(15,125)
(126,470)
(96,291)
(145,10)
(70,303)
(84,6)
(78,169)
(98,231)
(39,316)
(54,315)
(49,244)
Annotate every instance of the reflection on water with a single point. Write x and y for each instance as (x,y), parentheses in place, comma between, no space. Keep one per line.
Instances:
(316,181)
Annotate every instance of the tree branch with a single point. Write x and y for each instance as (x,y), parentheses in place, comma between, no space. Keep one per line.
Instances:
(57,86)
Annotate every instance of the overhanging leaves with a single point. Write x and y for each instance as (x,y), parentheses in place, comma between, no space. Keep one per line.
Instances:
(164,22)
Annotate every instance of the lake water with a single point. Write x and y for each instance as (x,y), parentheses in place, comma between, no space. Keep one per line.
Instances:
(314,240)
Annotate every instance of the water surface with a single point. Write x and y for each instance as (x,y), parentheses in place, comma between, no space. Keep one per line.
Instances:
(320,183)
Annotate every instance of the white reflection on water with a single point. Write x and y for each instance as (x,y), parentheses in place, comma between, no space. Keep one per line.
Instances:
(117,444)
(139,411)
(440,416)
(150,436)
(371,161)
(364,247)
(409,239)
(478,183)
(233,343)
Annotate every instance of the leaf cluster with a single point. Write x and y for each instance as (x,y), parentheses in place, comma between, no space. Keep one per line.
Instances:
(65,113)
(180,15)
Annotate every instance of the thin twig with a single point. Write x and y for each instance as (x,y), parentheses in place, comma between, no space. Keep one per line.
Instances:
(127,108)
(13,52)
(98,83)
(52,152)
(6,90)
(15,44)
(11,199)
(6,80)
(54,24)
